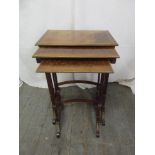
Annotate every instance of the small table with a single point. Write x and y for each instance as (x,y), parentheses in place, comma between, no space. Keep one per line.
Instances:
(76,51)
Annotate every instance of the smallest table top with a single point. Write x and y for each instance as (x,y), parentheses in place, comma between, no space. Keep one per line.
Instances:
(75,66)
(77,38)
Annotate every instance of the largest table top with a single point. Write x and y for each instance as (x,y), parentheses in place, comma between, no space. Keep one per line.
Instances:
(77,38)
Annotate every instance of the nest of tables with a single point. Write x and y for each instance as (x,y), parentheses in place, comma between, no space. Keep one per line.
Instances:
(76,51)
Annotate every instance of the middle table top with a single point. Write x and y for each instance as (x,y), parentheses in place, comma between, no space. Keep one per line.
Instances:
(75,52)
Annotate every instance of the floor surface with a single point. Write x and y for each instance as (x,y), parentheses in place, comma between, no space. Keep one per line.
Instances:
(37,133)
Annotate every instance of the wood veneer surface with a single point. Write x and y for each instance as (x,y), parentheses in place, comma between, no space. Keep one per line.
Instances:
(72,66)
(77,38)
(68,52)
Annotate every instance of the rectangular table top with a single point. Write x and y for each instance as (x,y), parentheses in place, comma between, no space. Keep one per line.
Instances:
(75,52)
(77,38)
(75,66)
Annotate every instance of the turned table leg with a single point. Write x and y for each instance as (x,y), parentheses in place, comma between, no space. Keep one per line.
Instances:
(97,109)
(58,103)
(51,92)
(104,84)
(55,102)
(100,101)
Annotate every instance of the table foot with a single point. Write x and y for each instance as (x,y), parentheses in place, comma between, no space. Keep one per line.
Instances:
(58,134)
(53,121)
(97,130)
(58,130)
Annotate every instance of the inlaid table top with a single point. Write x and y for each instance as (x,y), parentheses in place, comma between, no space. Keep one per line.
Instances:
(77,38)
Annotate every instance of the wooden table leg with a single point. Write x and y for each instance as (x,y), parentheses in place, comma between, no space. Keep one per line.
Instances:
(57,89)
(101,96)
(98,81)
(97,106)
(56,119)
(58,103)
(104,83)
(51,92)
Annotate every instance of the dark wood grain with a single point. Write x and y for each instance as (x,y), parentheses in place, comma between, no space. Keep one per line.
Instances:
(77,81)
(72,66)
(77,38)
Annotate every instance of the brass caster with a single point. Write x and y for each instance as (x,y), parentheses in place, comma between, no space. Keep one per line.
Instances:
(58,130)
(53,121)
(58,134)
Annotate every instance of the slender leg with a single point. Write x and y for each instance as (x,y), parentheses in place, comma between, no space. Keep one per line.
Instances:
(98,87)
(51,91)
(98,81)
(55,80)
(101,98)
(100,106)
(97,105)
(57,89)
(58,103)
(56,119)
(104,83)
